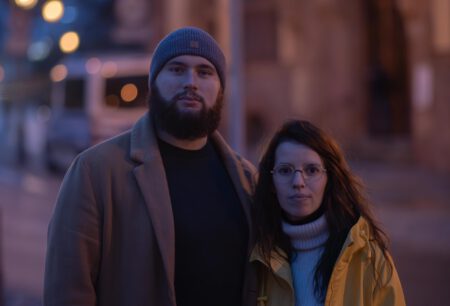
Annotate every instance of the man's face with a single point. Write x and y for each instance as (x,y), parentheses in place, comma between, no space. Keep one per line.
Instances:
(186,97)
(191,80)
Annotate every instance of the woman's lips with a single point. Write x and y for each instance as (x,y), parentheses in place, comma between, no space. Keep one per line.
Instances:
(299,196)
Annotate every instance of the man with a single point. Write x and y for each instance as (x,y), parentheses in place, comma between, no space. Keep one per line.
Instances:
(160,214)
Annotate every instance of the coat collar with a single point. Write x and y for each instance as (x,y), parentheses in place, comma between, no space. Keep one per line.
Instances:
(241,183)
(279,265)
(357,239)
(151,179)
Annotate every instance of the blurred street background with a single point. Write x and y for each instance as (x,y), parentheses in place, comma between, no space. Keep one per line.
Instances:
(411,203)
(373,73)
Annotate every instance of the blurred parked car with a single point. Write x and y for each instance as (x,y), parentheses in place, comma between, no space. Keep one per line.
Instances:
(93,98)
(68,134)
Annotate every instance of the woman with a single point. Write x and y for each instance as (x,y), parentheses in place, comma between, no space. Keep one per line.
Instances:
(317,242)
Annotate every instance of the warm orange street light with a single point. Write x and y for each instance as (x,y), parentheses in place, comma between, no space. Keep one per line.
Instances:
(69,42)
(129,92)
(53,10)
(112,100)
(26,4)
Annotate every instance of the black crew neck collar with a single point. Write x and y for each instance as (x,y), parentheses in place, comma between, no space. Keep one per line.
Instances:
(170,149)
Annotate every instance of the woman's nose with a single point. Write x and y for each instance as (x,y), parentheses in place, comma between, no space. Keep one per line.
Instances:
(298,179)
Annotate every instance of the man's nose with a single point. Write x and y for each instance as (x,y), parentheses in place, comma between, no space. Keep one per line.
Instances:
(190,79)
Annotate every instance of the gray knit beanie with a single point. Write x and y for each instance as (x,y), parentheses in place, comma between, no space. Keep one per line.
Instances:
(187,41)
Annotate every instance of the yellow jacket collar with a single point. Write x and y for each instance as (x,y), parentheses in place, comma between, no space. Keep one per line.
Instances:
(278,263)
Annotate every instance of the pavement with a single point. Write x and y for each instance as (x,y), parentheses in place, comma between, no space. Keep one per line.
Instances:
(411,203)
(26,203)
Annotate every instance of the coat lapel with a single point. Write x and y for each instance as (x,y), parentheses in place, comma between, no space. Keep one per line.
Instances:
(240,183)
(151,179)
(244,188)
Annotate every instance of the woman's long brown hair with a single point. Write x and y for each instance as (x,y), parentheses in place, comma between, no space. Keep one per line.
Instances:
(343,202)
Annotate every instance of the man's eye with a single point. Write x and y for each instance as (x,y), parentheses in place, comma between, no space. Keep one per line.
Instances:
(176,69)
(205,72)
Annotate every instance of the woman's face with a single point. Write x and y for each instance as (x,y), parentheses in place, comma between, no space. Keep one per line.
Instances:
(299,178)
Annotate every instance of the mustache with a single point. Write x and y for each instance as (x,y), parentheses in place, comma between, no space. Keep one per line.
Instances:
(190,95)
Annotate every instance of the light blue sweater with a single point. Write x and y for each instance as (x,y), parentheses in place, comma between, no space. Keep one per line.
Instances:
(308,241)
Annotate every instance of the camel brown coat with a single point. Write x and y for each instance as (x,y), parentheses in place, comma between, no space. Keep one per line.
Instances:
(111,239)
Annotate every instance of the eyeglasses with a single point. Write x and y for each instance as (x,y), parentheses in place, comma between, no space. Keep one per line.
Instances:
(310,173)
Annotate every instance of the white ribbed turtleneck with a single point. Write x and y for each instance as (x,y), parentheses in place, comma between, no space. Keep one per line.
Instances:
(308,241)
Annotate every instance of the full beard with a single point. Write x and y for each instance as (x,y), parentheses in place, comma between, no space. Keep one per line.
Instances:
(184,125)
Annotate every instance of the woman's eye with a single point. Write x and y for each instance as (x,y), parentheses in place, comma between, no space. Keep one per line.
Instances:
(311,170)
(285,170)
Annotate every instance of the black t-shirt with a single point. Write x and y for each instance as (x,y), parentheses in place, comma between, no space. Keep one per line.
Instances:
(211,231)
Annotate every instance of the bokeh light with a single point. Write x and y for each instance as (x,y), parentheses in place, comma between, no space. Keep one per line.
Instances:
(109,69)
(58,73)
(112,100)
(52,11)
(39,50)
(129,92)
(26,4)
(93,65)
(69,42)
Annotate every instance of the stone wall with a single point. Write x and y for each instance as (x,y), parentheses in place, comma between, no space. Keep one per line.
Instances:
(314,60)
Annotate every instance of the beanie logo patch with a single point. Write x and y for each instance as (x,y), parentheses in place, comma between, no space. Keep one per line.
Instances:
(194,44)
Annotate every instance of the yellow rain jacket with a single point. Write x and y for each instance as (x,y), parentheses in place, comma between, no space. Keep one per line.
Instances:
(353,281)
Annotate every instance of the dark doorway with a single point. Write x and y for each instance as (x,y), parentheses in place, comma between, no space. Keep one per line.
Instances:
(389,99)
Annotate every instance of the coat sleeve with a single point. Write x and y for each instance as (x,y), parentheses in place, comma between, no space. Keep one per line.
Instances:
(389,290)
(73,248)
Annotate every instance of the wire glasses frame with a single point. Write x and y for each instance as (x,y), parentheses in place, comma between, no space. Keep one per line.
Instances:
(310,173)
